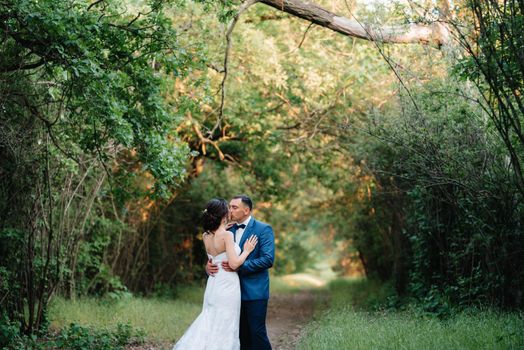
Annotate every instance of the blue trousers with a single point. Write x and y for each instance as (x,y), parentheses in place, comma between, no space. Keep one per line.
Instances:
(253,334)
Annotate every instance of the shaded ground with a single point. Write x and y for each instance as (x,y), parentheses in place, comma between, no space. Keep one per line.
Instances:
(287,315)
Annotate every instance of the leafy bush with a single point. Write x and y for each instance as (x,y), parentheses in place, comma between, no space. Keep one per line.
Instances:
(74,337)
(443,219)
(9,334)
(77,337)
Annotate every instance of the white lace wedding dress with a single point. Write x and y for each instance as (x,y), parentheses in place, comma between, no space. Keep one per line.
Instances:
(217,326)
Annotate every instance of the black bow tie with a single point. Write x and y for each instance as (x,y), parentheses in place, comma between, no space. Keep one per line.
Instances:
(237,226)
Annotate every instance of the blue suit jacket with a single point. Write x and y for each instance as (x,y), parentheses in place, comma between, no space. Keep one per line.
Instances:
(254,274)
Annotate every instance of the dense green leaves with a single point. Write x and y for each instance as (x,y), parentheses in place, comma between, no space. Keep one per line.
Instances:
(451,202)
(103,68)
(83,115)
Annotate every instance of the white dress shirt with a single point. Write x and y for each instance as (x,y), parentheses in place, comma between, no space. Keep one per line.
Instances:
(240,231)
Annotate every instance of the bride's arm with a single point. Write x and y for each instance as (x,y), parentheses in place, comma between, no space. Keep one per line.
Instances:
(236,260)
(266,255)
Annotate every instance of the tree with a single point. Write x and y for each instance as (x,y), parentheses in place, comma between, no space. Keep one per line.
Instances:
(80,88)
(494,63)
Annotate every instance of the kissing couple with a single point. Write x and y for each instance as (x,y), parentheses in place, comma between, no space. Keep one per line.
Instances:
(240,251)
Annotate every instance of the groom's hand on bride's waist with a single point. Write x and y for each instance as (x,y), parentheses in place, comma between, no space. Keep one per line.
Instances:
(211,268)
(225,266)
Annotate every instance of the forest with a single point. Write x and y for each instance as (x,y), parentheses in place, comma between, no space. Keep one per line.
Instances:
(382,140)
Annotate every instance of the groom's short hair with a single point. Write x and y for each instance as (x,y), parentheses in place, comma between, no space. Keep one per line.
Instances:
(245,199)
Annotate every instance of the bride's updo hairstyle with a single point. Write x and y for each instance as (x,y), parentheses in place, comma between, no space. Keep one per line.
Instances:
(216,210)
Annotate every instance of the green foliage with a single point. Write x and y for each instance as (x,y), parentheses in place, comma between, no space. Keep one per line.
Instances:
(77,337)
(98,62)
(453,231)
(10,269)
(10,337)
(94,275)
(82,96)
(73,337)
(493,62)
(292,254)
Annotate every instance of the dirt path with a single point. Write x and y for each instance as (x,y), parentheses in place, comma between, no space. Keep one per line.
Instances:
(287,316)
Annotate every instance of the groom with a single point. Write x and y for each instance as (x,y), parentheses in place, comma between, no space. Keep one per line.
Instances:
(254,275)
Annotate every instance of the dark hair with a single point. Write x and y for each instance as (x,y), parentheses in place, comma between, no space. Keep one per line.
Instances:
(215,211)
(245,199)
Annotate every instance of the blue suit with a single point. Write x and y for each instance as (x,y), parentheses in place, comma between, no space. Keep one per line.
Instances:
(254,285)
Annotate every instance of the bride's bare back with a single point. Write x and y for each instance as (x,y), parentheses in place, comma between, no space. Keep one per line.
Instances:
(213,245)
(222,241)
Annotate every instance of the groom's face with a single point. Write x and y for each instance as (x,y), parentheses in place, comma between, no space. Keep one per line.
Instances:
(238,210)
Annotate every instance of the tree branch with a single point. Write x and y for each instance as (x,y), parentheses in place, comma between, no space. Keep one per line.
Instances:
(19,66)
(304,36)
(436,33)
(94,4)
(245,5)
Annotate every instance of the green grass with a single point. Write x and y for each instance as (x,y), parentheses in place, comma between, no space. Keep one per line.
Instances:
(347,324)
(348,329)
(163,320)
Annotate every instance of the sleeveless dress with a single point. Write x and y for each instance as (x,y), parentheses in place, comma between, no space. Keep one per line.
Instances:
(217,326)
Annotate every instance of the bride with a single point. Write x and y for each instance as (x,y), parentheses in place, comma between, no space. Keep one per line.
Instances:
(217,326)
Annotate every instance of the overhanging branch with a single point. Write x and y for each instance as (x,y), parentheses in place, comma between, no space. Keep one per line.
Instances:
(436,33)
